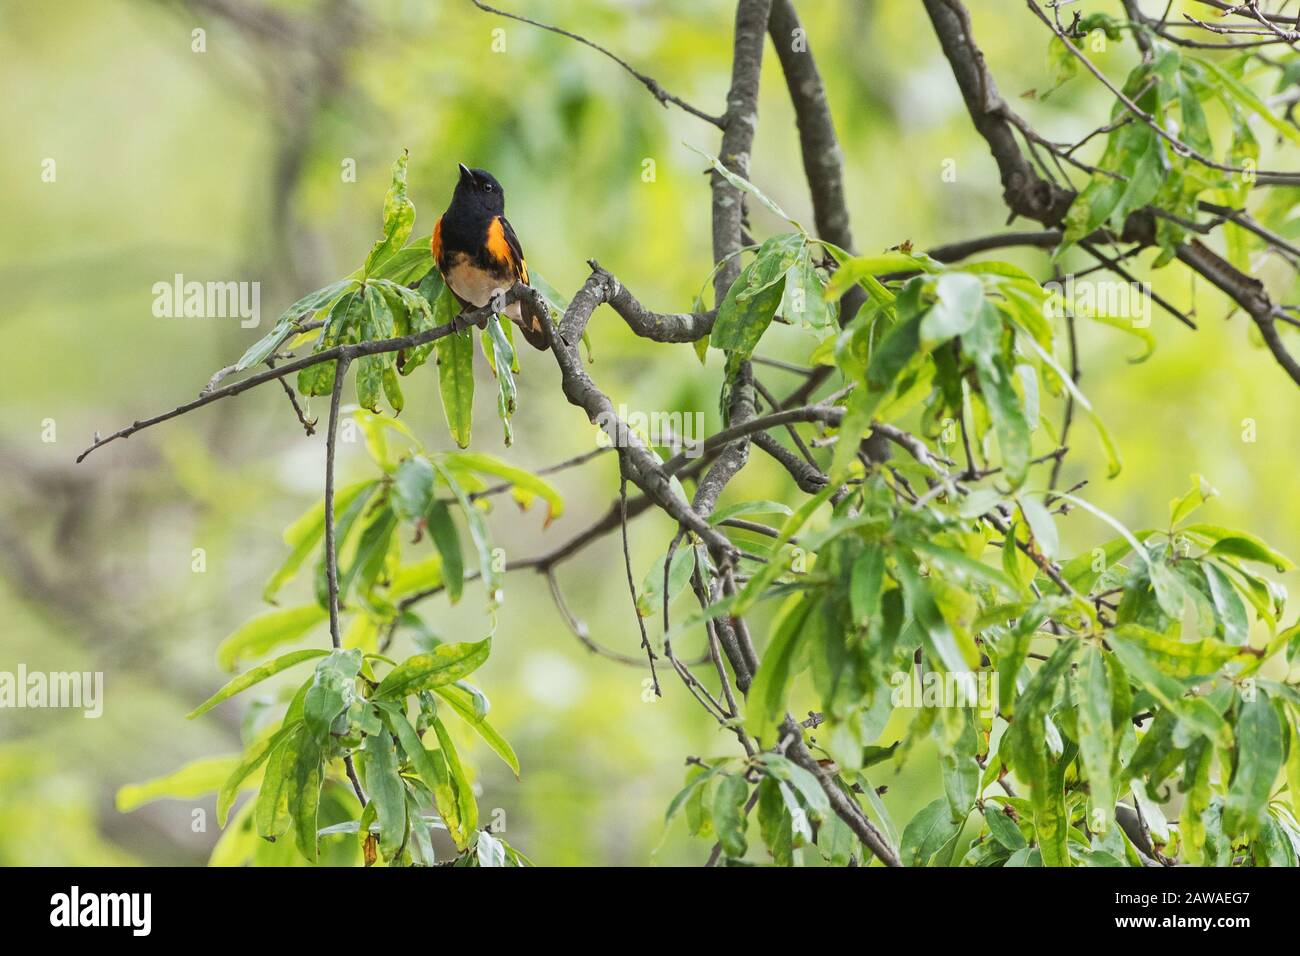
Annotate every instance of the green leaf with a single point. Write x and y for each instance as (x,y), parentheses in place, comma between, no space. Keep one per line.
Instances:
(456,382)
(930,837)
(1180,659)
(771,264)
(412,488)
(958,763)
(525,485)
(866,585)
(462,699)
(1238,544)
(997,385)
(371,554)
(854,270)
(947,648)
(959,300)
(803,301)
(408,265)
(740,324)
(465,802)
(1064,66)
(284,327)
(1200,492)
(1107,443)
(1230,86)
(399,217)
(1228,605)
(742,508)
(769,572)
(267,631)
(490,572)
(254,676)
(377,324)
(650,599)
(256,755)
(503,356)
(1195,712)
(332,692)
(1259,756)
(810,789)
(729,814)
(1003,828)
(965,569)
(1096,736)
(302,792)
(766,704)
(1041,524)
(432,768)
(387,792)
(304,534)
(743,184)
(447,540)
(774,821)
(445,664)
(195,779)
(1025,746)
(271,811)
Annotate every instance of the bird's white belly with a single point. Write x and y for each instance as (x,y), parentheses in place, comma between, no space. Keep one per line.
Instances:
(477,287)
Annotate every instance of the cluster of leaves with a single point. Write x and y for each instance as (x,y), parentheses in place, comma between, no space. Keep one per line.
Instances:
(1140,168)
(389,717)
(346,708)
(1090,680)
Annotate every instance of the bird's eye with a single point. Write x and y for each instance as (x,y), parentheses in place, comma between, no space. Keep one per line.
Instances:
(487,187)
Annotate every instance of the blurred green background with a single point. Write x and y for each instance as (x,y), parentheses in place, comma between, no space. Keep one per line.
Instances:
(227,165)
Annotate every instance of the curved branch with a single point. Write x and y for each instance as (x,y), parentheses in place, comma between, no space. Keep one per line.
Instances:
(656,326)
(1027,194)
(649,82)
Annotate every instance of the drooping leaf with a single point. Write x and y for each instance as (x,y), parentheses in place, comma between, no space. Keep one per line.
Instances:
(456,382)
(387,792)
(459,696)
(729,814)
(1259,756)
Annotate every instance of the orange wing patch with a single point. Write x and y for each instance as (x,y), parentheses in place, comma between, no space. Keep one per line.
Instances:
(497,244)
(435,244)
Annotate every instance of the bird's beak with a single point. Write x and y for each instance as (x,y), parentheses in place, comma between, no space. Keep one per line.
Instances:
(465,174)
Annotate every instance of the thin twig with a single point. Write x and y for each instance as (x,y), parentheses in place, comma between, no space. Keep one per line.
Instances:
(649,82)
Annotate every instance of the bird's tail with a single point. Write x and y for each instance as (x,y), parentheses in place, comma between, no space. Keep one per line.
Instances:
(532,323)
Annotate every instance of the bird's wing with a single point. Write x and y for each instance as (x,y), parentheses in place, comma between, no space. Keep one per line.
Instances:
(435,244)
(504,244)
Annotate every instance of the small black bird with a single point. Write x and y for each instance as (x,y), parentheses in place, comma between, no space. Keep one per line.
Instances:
(479,254)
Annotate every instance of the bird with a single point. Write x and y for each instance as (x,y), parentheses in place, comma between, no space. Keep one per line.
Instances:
(479,255)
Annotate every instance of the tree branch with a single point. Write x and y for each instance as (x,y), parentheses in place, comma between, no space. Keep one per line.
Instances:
(649,82)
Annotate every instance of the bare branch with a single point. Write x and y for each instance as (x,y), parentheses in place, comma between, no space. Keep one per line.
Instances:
(649,82)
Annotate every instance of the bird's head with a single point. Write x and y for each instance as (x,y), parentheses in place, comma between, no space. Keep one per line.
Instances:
(479,189)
